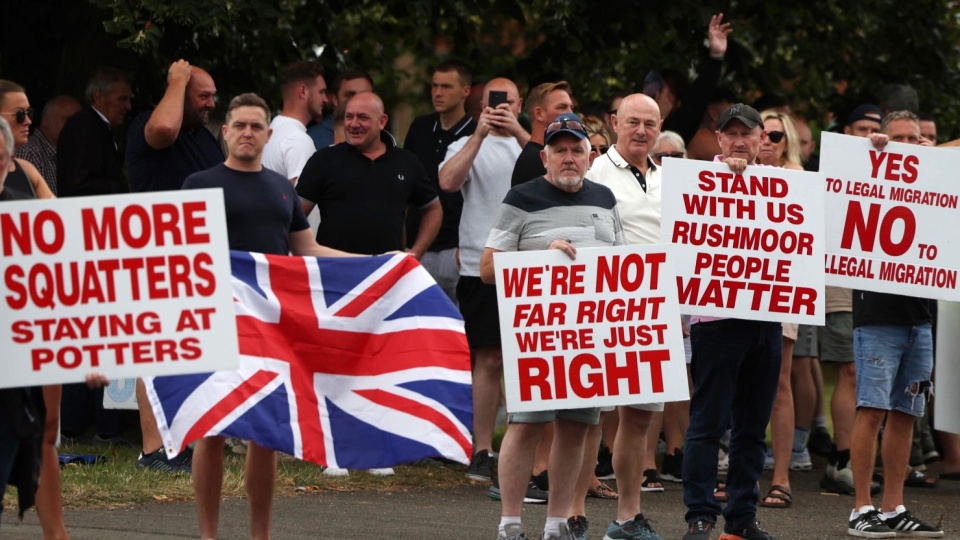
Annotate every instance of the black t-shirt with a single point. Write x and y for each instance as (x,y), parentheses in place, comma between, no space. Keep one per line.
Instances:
(262,207)
(529,165)
(874,308)
(362,201)
(149,169)
(429,142)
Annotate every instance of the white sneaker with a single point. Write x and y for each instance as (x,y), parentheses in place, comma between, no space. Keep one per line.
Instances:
(800,461)
(382,472)
(335,471)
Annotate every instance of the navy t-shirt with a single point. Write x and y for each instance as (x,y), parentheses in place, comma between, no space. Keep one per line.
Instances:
(262,207)
(149,169)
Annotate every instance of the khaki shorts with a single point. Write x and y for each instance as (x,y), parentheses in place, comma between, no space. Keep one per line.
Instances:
(836,338)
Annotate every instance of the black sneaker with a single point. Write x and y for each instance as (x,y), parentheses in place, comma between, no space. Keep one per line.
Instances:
(541,480)
(819,442)
(870,525)
(534,495)
(906,524)
(604,470)
(579,526)
(158,461)
(481,467)
(699,530)
(672,467)
(751,531)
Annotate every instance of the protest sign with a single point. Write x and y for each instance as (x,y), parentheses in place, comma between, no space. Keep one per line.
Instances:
(748,245)
(600,330)
(893,217)
(126,285)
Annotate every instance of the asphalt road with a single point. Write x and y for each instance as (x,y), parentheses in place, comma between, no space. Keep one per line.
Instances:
(465,513)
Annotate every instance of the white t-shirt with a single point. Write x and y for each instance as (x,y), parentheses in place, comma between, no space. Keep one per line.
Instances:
(289,147)
(488,182)
(639,210)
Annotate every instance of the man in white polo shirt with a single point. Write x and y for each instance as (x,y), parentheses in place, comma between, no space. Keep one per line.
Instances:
(635,181)
(304,93)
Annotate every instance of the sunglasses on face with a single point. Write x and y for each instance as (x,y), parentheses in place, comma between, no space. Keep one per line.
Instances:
(600,149)
(776,136)
(661,155)
(21,115)
(565,124)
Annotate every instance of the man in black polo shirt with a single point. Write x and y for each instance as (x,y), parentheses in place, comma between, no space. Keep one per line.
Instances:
(428,138)
(363,186)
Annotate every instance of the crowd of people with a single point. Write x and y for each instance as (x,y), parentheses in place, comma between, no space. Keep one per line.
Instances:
(488,171)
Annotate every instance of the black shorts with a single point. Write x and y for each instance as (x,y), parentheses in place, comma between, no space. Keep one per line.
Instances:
(478,305)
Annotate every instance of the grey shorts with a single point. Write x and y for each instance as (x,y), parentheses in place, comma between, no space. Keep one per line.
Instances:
(806,344)
(589,416)
(836,338)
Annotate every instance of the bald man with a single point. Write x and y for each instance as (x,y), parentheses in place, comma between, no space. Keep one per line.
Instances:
(41,148)
(480,167)
(363,185)
(634,178)
(166,145)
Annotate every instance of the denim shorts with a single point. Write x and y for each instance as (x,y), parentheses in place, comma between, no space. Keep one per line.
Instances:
(893,365)
(589,416)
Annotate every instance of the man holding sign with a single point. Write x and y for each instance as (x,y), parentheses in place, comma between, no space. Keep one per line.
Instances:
(549,213)
(893,350)
(735,368)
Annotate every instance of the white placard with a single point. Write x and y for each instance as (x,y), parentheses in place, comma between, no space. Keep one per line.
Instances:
(946,402)
(601,330)
(750,245)
(892,217)
(126,285)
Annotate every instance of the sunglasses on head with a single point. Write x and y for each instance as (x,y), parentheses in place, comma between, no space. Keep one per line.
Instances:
(565,124)
(600,149)
(21,115)
(776,136)
(661,155)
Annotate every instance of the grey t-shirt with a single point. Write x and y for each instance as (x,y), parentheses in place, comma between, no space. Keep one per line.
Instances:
(536,213)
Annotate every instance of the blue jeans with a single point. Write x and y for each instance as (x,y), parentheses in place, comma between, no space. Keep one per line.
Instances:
(735,368)
(894,363)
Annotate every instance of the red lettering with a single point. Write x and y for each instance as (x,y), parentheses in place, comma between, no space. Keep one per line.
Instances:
(876,159)
(595,378)
(893,167)
(166,217)
(616,373)
(655,358)
(96,238)
(910,164)
(194,219)
(533,372)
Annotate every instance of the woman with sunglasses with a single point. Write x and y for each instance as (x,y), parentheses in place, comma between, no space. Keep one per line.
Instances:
(781,146)
(599,135)
(669,144)
(16,110)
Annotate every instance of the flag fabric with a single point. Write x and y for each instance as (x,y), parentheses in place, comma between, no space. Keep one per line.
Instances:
(356,363)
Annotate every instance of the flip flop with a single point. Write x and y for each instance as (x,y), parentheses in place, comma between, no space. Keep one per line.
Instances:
(917,479)
(781,495)
(651,482)
(602,491)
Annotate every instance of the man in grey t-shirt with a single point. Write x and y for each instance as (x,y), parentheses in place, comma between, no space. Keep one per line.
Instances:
(549,213)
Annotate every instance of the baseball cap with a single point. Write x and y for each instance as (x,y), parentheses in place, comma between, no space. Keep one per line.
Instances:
(744,113)
(565,123)
(866,111)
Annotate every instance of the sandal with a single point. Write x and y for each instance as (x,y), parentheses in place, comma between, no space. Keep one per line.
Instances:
(780,495)
(917,479)
(602,491)
(651,482)
(720,491)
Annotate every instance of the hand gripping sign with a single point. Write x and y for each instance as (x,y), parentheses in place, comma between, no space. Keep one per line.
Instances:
(893,217)
(748,245)
(600,330)
(127,285)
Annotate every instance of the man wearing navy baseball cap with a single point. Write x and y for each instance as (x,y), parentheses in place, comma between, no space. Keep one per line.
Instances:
(549,212)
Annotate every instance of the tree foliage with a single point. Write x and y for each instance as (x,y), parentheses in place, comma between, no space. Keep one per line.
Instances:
(823,55)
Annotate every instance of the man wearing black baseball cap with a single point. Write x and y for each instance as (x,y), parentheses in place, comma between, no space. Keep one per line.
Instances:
(549,212)
(735,368)
(864,121)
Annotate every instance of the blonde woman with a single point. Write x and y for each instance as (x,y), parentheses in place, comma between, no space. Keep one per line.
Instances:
(781,146)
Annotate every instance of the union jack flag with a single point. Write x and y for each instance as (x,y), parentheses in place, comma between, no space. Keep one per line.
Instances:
(346,362)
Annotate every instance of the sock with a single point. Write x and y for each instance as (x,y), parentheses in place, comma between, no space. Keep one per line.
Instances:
(896,512)
(843,458)
(820,422)
(508,520)
(552,527)
(863,510)
(800,439)
(623,521)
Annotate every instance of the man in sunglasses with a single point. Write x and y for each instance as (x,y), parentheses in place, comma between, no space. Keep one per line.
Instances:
(544,102)
(628,170)
(548,212)
(735,368)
